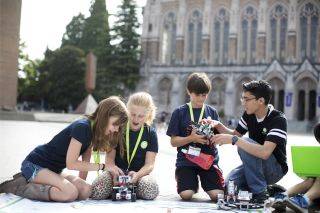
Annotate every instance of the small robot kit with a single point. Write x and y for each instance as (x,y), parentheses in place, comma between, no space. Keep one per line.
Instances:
(203,129)
(125,189)
(194,154)
(234,200)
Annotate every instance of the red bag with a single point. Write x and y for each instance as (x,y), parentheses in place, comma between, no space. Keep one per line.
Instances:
(205,161)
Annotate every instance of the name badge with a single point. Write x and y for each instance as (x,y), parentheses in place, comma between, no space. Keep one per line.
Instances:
(195,151)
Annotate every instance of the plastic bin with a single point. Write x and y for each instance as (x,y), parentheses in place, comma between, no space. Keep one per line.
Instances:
(306,160)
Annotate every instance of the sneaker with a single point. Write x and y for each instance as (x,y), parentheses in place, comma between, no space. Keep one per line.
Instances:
(279,205)
(297,203)
(274,189)
(260,197)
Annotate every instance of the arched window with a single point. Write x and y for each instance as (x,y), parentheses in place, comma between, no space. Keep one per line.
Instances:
(194,38)
(238,91)
(220,37)
(306,99)
(277,98)
(218,93)
(309,21)
(249,29)
(164,87)
(168,46)
(278,35)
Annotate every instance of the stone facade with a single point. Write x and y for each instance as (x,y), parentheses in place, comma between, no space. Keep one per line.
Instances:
(10,11)
(234,41)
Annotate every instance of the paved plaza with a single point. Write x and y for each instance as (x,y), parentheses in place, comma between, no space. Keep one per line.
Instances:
(18,138)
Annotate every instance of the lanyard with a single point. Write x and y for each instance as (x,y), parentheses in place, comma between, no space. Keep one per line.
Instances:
(191,112)
(96,154)
(129,159)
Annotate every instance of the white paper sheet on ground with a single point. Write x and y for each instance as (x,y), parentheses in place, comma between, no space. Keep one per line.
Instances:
(12,203)
(8,199)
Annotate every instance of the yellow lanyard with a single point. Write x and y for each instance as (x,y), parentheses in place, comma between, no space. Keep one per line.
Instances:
(96,154)
(191,112)
(129,159)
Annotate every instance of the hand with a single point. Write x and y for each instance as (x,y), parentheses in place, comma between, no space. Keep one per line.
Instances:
(194,137)
(115,172)
(134,177)
(217,125)
(220,139)
(208,120)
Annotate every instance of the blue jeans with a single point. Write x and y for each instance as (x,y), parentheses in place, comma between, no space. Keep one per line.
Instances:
(255,173)
(29,170)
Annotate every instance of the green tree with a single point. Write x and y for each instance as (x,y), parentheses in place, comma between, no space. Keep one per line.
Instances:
(96,38)
(127,49)
(28,77)
(74,31)
(28,82)
(117,65)
(63,73)
(96,35)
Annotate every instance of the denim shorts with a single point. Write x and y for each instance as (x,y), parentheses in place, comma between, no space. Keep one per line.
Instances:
(30,170)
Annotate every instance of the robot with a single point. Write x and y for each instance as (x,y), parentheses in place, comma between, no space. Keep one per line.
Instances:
(234,200)
(203,129)
(231,192)
(244,198)
(125,189)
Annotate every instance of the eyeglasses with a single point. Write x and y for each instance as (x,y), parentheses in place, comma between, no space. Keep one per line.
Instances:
(245,100)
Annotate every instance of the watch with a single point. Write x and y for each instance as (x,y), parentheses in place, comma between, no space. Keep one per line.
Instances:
(234,139)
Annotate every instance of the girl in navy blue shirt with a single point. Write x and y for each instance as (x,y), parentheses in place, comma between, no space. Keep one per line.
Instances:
(41,177)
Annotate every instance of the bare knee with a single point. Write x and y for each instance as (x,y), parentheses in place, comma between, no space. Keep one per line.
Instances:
(309,182)
(186,195)
(70,193)
(213,194)
(84,191)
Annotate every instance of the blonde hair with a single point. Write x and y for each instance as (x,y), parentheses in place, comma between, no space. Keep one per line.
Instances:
(108,107)
(143,99)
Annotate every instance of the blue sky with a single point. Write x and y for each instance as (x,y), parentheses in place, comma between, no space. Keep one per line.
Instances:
(43,22)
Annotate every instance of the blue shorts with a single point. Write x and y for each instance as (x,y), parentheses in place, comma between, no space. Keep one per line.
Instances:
(30,170)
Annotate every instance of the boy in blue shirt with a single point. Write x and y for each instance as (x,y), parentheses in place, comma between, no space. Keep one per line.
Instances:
(187,172)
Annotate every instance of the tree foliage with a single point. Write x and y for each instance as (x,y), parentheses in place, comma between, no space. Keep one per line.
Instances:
(74,31)
(58,80)
(28,76)
(96,35)
(127,48)
(96,38)
(63,72)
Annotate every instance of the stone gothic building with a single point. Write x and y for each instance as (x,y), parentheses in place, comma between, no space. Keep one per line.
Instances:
(234,41)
